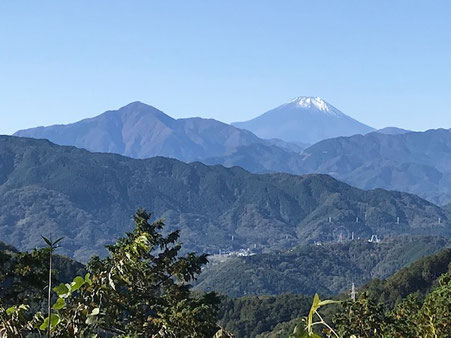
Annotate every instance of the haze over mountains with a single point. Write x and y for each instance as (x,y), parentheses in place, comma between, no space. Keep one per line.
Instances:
(89,199)
(304,120)
(390,158)
(416,162)
(142,131)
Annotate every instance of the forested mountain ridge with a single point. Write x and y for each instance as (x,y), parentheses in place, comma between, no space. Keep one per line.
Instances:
(89,198)
(414,282)
(327,269)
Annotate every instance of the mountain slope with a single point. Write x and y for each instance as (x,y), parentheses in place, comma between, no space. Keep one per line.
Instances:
(304,120)
(416,162)
(393,131)
(89,198)
(327,269)
(142,131)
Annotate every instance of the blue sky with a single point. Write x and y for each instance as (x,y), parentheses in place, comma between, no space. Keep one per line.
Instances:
(382,62)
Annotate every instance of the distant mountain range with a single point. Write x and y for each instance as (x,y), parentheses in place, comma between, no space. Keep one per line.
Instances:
(393,131)
(304,120)
(416,162)
(389,158)
(89,198)
(142,131)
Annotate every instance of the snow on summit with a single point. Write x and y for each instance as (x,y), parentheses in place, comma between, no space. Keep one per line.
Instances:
(315,103)
(304,120)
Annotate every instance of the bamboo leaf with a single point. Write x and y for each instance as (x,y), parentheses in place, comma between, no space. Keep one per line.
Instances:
(49,243)
(325,302)
(58,240)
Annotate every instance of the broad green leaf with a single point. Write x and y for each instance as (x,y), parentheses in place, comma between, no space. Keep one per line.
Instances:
(62,290)
(45,324)
(77,283)
(11,310)
(60,303)
(55,319)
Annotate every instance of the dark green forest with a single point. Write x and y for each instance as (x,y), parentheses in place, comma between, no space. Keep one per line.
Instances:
(327,269)
(89,198)
(143,288)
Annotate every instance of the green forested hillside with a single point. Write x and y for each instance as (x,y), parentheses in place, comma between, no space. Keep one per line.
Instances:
(403,293)
(327,269)
(250,315)
(89,198)
(418,277)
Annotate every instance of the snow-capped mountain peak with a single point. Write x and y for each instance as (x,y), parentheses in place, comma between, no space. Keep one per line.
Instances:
(306,120)
(315,103)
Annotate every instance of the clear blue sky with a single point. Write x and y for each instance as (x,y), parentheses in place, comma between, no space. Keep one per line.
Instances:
(382,62)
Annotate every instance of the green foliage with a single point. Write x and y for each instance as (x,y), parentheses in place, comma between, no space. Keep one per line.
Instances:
(422,304)
(23,275)
(141,289)
(327,269)
(363,318)
(251,315)
(410,318)
(418,277)
(306,329)
(13,321)
(434,317)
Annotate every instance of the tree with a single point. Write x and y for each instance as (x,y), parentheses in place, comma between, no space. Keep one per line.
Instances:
(434,317)
(141,289)
(362,318)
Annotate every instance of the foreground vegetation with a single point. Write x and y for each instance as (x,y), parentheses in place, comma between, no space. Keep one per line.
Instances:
(414,302)
(143,289)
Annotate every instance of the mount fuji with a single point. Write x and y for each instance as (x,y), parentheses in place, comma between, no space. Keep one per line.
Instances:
(304,120)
